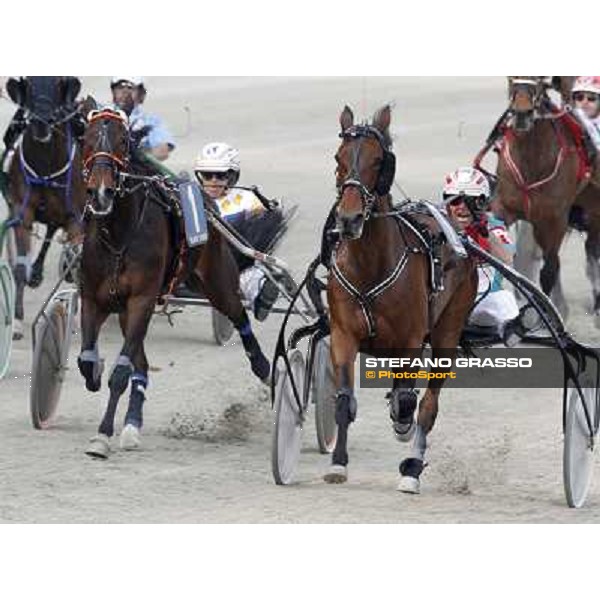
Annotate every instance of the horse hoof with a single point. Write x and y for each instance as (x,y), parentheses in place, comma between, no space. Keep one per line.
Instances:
(409,485)
(336,474)
(404,432)
(18,330)
(99,447)
(92,373)
(35,280)
(130,438)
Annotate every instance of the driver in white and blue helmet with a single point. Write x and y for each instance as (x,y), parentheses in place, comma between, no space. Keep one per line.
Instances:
(129,93)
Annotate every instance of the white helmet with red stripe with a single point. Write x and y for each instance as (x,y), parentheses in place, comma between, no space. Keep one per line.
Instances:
(466,181)
(587,83)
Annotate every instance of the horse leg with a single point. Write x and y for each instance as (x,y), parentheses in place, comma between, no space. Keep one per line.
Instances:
(89,362)
(344,350)
(22,273)
(403,404)
(528,257)
(549,235)
(220,281)
(37,271)
(130,435)
(592,253)
(444,340)
(139,312)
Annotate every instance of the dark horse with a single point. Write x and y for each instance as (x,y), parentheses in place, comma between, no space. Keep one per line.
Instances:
(542,169)
(380,290)
(45,176)
(130,254)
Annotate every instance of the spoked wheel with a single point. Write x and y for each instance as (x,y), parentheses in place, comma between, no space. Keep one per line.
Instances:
(69,262)
(11,247)
(47,372)
(287,433)
(323,391)
(579,446)
(222,327)
(7,311)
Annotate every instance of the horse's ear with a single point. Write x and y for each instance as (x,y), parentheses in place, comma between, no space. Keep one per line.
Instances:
(71,87)
(16,89)
(87,104)
(383,118)
(346,118)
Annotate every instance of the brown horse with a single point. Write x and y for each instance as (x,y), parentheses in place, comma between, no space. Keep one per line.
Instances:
(130,254)
(380,290)
(585,216)
(45,176)
(542,167)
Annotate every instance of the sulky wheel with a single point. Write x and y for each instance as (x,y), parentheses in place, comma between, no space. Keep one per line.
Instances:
(579,445)
(7,311)
(323,390)
(48,370)
(287,433)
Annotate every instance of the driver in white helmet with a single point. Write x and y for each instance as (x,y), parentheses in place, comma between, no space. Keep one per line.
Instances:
(217,168)
(129,93)
(466,198)
(585,98)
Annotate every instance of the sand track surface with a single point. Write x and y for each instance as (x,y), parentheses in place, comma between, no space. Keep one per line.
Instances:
(495,455)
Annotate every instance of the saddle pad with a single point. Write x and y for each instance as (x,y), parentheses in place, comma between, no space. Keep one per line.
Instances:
(194,216)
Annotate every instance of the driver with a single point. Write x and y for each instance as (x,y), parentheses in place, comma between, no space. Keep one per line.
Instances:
(466,198)
(129,93)
(217,169)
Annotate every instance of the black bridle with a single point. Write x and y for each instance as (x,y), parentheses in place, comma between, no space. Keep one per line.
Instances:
(353,179)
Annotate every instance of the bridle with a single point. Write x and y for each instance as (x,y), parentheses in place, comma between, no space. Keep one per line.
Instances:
(353,179)
(542,107)
(103,153)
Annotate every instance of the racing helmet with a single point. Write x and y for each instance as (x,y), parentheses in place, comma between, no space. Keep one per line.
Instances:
(470,183)
(218,157)
(587,83)
(135,80)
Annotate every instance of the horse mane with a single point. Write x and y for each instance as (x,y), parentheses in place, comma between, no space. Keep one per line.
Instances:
(388,138)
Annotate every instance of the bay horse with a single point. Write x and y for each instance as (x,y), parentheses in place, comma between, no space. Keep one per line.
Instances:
(380,291)
(542,169)
(45,181)
(584,215)
(130,252)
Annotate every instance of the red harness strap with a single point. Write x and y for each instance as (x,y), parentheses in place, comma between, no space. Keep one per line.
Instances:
(585,165)
(583,170)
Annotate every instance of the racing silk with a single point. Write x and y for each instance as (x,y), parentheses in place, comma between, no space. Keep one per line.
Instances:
(490,278)
(238,203)
(592,126)
(158,134)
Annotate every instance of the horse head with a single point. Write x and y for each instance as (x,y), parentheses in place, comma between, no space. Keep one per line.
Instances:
(46,102)
(105,155)
(365,169)
(527,96)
